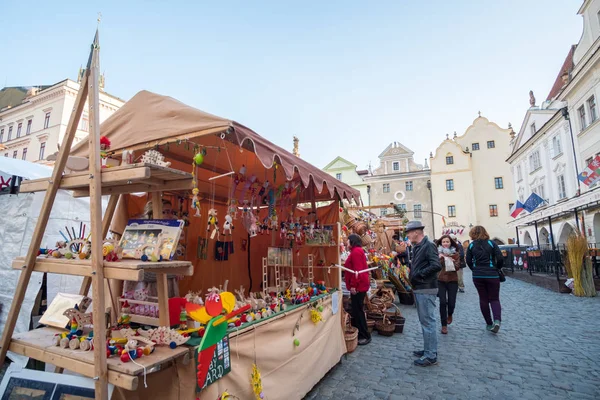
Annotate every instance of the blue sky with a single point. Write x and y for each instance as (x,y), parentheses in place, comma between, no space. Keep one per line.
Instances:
(346,77)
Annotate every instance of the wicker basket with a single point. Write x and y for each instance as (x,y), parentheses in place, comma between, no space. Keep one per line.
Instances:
(350,334)
(370,325)
(366,240)
(385,327)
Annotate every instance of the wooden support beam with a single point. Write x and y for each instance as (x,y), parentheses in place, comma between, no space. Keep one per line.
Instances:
(100,367)
(162,286)
(106,221)
(391,205)
(40,227)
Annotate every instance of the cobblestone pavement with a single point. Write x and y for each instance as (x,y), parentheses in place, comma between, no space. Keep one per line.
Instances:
(548,348)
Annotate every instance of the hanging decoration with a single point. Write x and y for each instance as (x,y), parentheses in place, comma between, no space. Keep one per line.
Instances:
(213,223)
(256,380)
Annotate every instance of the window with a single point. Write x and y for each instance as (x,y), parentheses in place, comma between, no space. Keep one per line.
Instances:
(386,188)
(491,144)
(402,206)
(24,156)
(383,212)
(1,135)
(562,189)
(42,149)
(5,154)
(396,166)
(449,160)
(519,174)
(581,113)
(592,106)
(338,176)
(533,130)
(498,183)
(409,186)
(556,146)
(9,133)
(522,198)
(452,211)
(493,210)
(47,121)
(534,161)
(449,184)
(475,146)
(417,211)
(19,129)
(28,131)
(510,206)
(15,153)
(539,190)
(84,125)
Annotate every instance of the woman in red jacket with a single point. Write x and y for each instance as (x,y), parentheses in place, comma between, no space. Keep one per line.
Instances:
(358,286)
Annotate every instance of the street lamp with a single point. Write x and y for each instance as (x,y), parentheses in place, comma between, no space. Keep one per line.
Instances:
(369,194)
(565,114)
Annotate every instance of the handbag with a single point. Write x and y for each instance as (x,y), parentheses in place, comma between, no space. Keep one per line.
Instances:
(449,264)
(501,275)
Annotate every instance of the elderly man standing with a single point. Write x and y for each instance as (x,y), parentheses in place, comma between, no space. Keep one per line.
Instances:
(424,269)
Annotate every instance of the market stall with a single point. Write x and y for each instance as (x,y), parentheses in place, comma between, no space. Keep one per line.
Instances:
(249,204)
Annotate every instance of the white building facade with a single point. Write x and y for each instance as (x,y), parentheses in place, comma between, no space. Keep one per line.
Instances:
(33,121)
(472,183)
(557,141)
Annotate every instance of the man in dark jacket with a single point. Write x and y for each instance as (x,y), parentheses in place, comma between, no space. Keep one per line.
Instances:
(424,268)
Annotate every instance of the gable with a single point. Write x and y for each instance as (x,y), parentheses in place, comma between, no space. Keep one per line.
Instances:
(339,163)
(396,149)
(539,117)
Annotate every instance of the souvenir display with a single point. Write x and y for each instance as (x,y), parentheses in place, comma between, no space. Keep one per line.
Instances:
(147,239)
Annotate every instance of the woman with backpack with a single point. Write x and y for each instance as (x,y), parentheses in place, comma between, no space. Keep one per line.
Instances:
(449,254)
(485,260)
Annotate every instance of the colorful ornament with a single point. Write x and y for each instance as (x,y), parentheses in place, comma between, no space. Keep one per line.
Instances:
(256,381)
(196,202)
(199,159)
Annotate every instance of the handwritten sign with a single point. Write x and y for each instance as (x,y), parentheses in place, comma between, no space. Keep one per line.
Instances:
(220,365)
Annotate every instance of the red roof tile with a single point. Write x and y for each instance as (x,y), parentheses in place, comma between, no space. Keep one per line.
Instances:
(566,67)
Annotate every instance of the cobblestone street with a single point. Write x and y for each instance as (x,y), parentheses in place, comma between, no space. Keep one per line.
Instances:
(548,348)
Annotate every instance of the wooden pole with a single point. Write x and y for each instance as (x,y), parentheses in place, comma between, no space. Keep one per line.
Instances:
(108,216)
(100,367)
(162,286)
(38,233)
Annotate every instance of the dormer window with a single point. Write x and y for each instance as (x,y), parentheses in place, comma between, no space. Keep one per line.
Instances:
(396,166)
(533,130)
(449,160)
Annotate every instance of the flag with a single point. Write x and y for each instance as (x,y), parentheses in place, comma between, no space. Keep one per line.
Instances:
(591,174)
(516,209)
(532,202)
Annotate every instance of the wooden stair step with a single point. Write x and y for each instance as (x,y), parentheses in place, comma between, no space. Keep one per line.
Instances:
(38,345)
(125,179)
(126,270)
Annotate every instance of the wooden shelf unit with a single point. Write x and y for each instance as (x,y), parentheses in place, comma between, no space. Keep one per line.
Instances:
(131,178)
(125,270)
(38,344)
(94,183)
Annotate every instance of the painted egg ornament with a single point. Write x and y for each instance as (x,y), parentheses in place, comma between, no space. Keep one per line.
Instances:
(199,159)
(296,342)
(320,308)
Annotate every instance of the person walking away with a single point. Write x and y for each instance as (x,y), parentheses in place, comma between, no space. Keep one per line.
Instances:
(485,260)
(425,265)
(358,286)
(448,279)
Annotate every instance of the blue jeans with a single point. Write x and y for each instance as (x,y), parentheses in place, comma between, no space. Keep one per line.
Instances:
(426,309)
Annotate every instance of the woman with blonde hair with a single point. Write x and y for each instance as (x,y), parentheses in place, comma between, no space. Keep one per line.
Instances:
(485,260)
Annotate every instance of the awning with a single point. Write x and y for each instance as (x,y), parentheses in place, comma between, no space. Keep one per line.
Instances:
(150,120)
